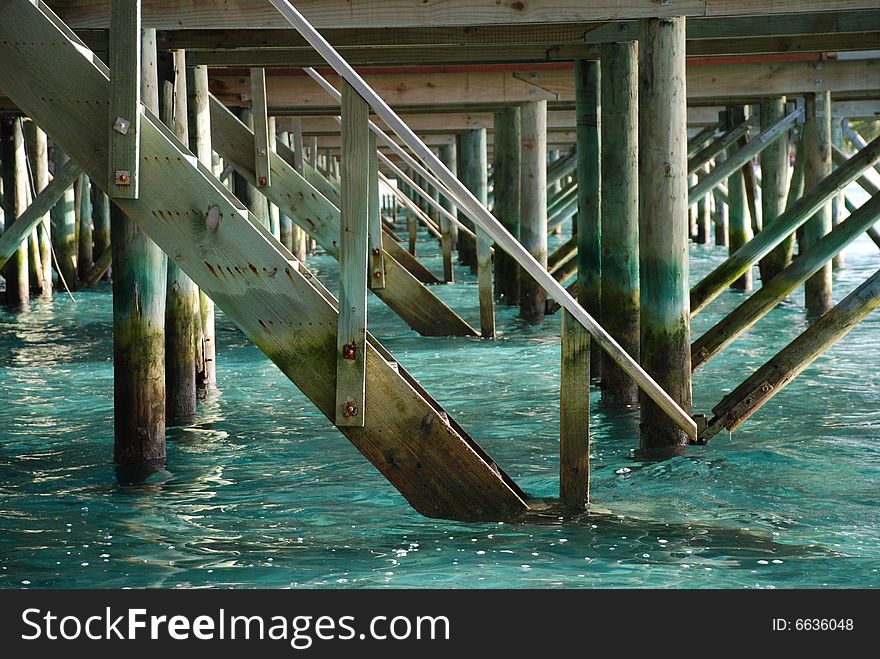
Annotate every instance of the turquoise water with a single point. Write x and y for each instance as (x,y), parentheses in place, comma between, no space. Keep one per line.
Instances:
(263,492)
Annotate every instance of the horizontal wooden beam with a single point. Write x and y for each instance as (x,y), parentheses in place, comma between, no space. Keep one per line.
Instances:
(411,87)
(239,14)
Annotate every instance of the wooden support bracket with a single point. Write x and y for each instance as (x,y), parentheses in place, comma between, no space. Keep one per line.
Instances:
(377,258)
(125,99)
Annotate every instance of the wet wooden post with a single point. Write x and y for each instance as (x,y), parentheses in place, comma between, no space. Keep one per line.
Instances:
(86,258)
(574,415)
(15,184)
(100,223)
(467,150)
(139,277)
(533,205)
(619,298)
(774,186)
(704,217)
(199,111)
(182,314)
(262,133)
(507,199)
(663,230)
(249,194)
(351,335)
(739,226)
(448,230)
(274,211)
(38,155)
(589,182)
(63,221)
(837,204)
(817,146)
(473,171)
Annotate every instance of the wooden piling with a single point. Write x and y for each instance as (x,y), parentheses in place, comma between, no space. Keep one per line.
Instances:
(507,162)
(739,226)
(704,216)
(589,181)
(837,203)
(139,277)
(473,171)
(15,184)
(448,230)
(533,205)
(199,113)
(100,223)
(471,143)
(619,297)
(817,145)
(182,312)
(663,228)
(774,186)
(86,256)
(63,220)
(38,156)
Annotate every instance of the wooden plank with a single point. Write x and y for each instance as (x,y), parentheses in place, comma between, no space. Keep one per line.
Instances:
(125,98)
(240,14)
(260,118)
(354,223)
(318,217)
(442,472)
(18,230)
(377,261)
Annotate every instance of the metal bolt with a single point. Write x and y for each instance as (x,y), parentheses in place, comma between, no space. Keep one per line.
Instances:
(263,181)
(376,251)
(349,350)
(378,274)
(351,409)
(123,177)
(121,125)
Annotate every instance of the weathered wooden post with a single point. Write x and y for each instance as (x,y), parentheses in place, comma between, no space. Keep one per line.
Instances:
(739,226)
(837,203)
(351,336)
(533,205)
(817,146)
(182,315)
(473,172)
(100,223)
(663,226)
(83,194)
(139,276)
(469,145)
(199,114)
(38,155)
(704,217)
(774,186)
(15,182)
(589,183)
(448,230)
(507,198)
(63,220)
(620,214)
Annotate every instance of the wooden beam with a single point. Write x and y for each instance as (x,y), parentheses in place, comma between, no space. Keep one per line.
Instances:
(377,258)
(125,99)
(353,14)
(410,88)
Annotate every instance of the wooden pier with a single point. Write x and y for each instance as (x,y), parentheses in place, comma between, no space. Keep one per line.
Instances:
(199,154)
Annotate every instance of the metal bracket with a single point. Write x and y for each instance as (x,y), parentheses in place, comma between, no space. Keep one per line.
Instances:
(121,125)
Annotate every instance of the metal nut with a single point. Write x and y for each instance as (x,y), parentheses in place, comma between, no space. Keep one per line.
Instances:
(349,350)
(351,409)
(263,181)
(123,177)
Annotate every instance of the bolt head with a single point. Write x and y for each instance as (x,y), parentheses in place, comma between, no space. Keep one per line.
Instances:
(351,409)
(263,181)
